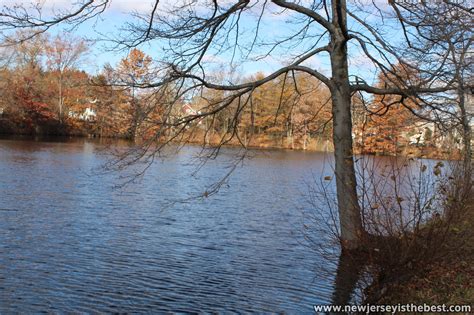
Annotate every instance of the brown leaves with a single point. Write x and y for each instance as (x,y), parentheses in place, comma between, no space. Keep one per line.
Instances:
(135,68)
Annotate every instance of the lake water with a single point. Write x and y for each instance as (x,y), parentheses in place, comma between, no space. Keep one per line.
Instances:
(72,242)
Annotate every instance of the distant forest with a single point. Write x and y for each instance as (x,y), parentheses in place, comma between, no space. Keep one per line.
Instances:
(45,92)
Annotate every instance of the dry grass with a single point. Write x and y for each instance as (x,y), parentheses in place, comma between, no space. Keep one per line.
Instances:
(444,280)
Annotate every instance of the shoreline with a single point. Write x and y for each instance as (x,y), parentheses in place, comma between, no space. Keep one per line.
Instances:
(412,152)
(446,280)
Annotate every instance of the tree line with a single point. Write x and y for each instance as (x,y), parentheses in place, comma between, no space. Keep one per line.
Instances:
(46,91)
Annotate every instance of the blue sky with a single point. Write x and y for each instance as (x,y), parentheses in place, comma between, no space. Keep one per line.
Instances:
(274,26)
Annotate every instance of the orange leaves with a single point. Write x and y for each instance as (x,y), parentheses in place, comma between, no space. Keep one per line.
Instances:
(39,111)
(390,119)
(135,69)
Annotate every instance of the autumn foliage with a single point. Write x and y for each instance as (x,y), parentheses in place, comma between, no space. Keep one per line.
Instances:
(389,120)
(45,92)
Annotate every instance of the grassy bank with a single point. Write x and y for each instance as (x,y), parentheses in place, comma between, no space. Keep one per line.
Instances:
(444,278)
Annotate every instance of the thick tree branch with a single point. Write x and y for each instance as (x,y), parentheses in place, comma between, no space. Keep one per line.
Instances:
(308,12)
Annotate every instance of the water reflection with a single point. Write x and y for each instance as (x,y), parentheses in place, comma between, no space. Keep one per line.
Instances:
(70,242)
(347,277)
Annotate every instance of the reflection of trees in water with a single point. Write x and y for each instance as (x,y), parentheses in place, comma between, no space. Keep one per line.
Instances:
(344,270)
(347,277)
(347,273)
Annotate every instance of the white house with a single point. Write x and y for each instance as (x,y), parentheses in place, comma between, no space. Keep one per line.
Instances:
(419,132)
(88,114)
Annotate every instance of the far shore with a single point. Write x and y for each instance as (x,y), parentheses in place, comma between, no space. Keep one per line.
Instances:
(315,145)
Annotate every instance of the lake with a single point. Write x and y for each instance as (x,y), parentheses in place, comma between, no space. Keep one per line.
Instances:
(73,242)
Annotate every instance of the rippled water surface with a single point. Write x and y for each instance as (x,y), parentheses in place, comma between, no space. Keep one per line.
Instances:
(71,242)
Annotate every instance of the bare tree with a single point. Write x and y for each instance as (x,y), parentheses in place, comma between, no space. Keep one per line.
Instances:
(188,33)
(28,55)
(446,28)
(133,71)
(63,53)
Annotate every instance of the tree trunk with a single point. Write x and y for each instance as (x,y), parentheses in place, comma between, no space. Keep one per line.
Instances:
(60,101)
(466,136)
(348,205)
